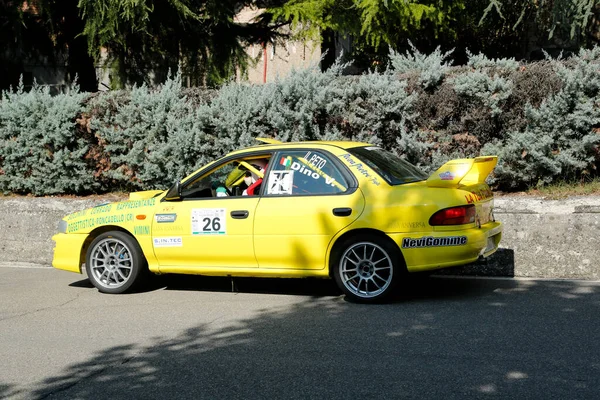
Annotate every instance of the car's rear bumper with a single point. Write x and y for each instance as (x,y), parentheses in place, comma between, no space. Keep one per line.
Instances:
(434,250)
(67,251)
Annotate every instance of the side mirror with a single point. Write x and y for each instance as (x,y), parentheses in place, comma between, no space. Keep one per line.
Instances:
(174,193)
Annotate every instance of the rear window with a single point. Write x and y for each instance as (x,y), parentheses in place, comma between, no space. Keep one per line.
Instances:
(388,165)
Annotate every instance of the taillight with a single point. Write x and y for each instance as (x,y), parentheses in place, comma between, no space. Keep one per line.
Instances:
(454,216)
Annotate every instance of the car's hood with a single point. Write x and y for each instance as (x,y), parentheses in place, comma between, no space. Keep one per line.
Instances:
(146,194)
(122,214)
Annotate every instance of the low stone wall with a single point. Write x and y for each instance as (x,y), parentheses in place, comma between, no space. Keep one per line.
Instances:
(542,238)
(28,223)
(545,239)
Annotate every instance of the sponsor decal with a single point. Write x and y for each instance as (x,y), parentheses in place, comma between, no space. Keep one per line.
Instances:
(76,215)
(296,166)
(135,204)
(412,225)
(447,176)
(429,241)
(173,241)
(101,209)
(315,173)
(83,224)
(280,182)
(167,228)
(114,219)
(209,221)
(103,220)
(360,168)
(165,218)
(315,160)
(286,161)
(141,230)
(478,195)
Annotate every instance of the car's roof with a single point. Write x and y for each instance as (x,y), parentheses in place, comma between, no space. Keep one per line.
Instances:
(275,145)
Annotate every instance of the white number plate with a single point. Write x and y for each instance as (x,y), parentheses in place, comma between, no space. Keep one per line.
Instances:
(209,221)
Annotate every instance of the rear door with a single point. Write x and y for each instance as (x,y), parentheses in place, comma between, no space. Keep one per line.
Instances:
(308,197)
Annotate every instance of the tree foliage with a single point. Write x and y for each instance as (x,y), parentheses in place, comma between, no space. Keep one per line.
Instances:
(144,39)
(570,16)
(377,22)
(139,41)
(375,26)
(497,28)
(43,33)
(23,38)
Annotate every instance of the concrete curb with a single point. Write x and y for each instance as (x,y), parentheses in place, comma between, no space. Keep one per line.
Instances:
(542,238)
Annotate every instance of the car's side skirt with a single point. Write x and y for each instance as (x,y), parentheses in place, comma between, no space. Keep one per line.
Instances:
(247,272)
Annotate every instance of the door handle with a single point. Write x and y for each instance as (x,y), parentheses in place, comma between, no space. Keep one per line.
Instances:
(342,212)
(239,214)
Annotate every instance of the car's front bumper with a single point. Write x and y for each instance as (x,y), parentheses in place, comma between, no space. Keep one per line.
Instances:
(422,253)
(67,251)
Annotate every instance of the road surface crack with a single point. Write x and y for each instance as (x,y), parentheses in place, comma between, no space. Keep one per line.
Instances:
(42,309)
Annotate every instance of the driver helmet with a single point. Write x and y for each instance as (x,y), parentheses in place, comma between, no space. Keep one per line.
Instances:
(251,177)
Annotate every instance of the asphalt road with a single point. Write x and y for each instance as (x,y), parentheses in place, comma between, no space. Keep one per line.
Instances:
(192,338)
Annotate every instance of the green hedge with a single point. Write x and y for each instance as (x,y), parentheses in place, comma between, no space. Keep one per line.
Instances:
(542,119)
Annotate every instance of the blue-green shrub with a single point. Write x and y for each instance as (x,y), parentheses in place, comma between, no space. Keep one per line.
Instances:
(561,140)
(431,68)
(150,138)
(541,118)
(39,150)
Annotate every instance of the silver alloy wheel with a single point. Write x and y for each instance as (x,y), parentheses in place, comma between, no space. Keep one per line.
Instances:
(366,269)
(111,263)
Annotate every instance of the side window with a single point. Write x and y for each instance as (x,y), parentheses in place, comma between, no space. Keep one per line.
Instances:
(242,177)
(304,173)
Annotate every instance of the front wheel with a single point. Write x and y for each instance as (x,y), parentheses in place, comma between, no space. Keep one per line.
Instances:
(115,263)
(367,268)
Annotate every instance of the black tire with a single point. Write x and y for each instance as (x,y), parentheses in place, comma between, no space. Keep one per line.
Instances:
(367,268)
(115,263)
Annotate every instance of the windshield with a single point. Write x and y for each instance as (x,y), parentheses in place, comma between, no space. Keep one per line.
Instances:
(391,167)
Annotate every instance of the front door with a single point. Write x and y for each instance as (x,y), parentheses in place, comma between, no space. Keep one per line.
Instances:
(212,225)
(205,233)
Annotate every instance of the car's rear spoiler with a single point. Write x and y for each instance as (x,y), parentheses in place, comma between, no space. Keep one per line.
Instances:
(466,171)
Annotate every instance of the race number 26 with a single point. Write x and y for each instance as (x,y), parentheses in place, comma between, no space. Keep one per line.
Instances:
(211,224)
(209,221)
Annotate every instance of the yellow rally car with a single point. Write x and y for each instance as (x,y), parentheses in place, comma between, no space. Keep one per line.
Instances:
(345,210)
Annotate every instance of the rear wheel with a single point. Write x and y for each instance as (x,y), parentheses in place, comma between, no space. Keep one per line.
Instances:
(367,268)
(115,263)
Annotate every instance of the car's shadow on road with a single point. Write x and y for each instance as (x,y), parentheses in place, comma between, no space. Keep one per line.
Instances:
(276,286)
(306,286)
(414,287)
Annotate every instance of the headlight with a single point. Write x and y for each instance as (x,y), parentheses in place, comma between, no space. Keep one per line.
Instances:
(62,226)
